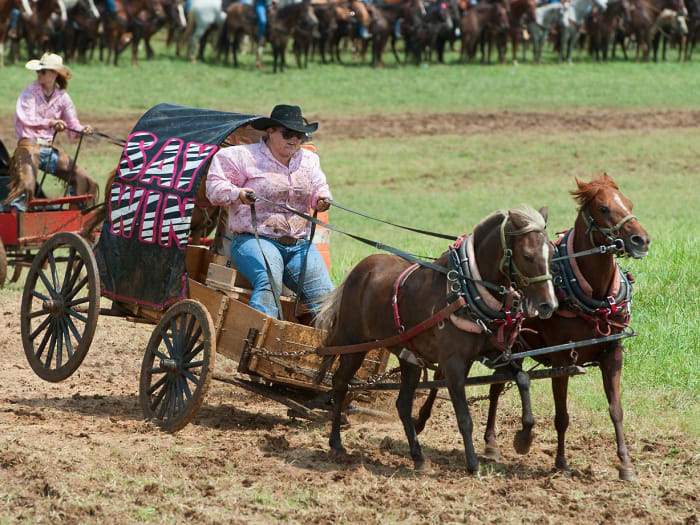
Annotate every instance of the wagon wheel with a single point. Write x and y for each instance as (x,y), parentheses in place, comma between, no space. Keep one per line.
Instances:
(3,264)
(60,306)
(178,365)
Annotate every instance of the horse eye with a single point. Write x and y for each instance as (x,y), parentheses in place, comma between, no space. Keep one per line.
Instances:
(604,209)
(528,257)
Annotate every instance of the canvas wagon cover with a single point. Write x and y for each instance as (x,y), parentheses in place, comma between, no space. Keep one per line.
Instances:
(141,251)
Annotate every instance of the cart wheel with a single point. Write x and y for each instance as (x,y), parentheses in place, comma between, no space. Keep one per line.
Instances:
(60,306)
(3,264)
(183,344)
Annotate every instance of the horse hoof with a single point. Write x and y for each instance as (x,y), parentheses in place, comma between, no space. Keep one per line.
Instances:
(421,465)
(338,454)
(522,441)
(627,474)
(492,452)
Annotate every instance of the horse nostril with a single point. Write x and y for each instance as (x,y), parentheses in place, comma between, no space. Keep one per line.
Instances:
(545,308)
(637,241)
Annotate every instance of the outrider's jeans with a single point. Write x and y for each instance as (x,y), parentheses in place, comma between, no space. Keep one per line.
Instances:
(285,263)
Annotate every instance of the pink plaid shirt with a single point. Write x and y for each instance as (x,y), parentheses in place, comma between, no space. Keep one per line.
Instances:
(299,186)
(33,113)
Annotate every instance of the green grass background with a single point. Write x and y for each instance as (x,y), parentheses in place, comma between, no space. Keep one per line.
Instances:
(448,182)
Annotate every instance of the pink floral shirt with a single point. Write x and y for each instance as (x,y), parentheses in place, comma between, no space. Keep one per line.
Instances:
(33,113)
(299,186)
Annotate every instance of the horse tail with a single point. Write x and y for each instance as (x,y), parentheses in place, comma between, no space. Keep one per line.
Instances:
(327,319)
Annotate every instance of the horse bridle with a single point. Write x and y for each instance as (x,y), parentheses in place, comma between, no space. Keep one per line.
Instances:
(609,234)
(507,260)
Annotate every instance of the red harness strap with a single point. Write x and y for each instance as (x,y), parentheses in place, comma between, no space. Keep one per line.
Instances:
(400,328)
(399,338)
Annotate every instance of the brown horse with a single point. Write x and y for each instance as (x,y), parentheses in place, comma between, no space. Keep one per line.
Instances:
(47,20)
(382,294)
(283,23)
(482,22)
(585,312)
(642,17)
(134,20)
(519,10)
(6,7)
(602,27)
(241,20)
(383,23)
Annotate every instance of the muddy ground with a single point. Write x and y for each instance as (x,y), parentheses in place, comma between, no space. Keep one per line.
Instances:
(79,451)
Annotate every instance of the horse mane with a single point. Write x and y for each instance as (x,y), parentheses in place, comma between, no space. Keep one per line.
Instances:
(530,218)
(588,190)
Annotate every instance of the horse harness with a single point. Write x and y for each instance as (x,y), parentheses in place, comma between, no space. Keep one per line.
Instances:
(575,301)
(501,319)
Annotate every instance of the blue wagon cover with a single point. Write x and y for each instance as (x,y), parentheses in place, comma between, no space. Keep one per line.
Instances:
(141,251)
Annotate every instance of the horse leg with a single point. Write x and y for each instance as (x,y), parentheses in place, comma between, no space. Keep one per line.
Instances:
(560,387)
(495,392)
(523,437)
(425,411)
(349,364)
(410,375)
(455,372)
(611,369)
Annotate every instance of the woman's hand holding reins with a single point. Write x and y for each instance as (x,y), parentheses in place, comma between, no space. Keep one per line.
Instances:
(57,124)
(323,204)
(87,130)
(246,196)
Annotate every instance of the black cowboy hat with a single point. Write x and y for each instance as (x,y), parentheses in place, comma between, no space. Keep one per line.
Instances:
(287,116)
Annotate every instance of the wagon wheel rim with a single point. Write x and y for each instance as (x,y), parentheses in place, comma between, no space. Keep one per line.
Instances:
(60,307)
(177,366)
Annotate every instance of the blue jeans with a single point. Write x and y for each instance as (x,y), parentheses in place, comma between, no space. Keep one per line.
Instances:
(285,265)
(48,157)
(261,12)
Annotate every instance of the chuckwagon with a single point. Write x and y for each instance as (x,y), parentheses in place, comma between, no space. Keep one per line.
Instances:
(25,226)
(146,261)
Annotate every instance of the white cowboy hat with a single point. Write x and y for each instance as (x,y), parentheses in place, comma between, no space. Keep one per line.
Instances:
(50,61)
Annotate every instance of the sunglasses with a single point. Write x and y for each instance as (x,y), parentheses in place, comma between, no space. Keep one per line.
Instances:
(289,133)
(43,71)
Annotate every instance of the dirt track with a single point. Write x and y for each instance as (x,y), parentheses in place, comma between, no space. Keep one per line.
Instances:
(400,125)
(79,451)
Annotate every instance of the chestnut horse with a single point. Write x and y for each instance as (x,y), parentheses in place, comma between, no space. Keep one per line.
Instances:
(604,214)
(6,7)
(135,18)
(283,23)
(382,293)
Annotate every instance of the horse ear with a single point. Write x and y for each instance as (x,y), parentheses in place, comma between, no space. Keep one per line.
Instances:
(515,220)
(544,211)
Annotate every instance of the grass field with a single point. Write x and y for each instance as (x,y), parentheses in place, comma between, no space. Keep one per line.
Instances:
(444,181)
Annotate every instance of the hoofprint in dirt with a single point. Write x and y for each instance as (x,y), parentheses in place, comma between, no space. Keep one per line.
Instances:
(408,124)
(79,451)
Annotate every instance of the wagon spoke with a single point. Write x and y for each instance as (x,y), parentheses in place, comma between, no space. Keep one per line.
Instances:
(166,400)
(59,343)
(66,334)
(69,266)
(83,282)
(38,313)
(75,314)
(188,354)
(189,375)
(169,345)
(193,364)
(186,389)
(159,354)
(180,397)
(159,397)
(176,339)
(190,326)
(73,329)
(46,282)
(171,403)
(194,352)
(52,345)
(76,302)
(42,345)
(40,295)
(39,328)
(54,272)
(74,276)
(157,384)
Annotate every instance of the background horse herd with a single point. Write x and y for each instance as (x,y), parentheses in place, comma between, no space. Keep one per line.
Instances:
(79,28)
